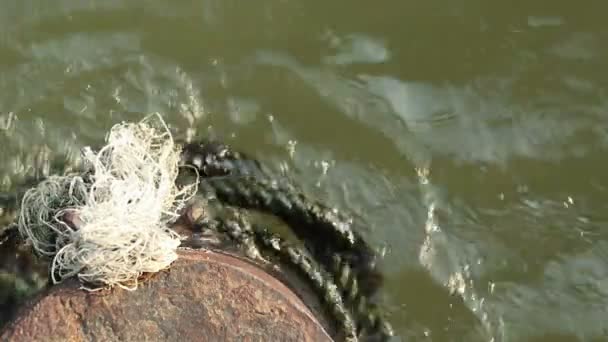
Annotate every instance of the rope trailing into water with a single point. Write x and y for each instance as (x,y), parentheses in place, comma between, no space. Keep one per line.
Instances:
(240,181)
(355,316)
(343,271)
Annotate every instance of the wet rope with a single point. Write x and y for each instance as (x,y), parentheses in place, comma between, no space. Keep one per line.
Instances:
(371,321)
(213,158)
(336,285)
(323,282)
(252,237)
(241,181)
(238,180)
(321,228)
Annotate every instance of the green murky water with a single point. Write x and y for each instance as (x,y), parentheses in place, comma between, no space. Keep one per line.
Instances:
(471,136)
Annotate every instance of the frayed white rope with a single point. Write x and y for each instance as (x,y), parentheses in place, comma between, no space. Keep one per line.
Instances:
(123,212)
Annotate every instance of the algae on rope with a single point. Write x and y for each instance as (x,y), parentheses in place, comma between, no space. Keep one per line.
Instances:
(122,207)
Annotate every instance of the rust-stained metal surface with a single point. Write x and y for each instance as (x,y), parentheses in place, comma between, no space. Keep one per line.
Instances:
(204,296)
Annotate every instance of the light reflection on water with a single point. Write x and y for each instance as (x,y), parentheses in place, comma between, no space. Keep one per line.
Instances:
(477,158)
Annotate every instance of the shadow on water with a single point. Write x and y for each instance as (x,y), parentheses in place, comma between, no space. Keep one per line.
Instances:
(470,138)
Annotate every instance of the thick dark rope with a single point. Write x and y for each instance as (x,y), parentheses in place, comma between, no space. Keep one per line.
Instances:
(239,180)
(323,282)
(321,228)
(246,184)
(370,320)
(213,159)
(336,285)
(246,235)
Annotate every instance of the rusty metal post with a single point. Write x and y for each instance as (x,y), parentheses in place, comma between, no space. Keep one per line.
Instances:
(204,296)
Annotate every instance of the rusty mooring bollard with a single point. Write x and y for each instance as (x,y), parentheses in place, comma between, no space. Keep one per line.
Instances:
(204,296)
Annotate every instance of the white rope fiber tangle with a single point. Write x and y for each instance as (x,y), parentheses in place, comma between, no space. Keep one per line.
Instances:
(111,228)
